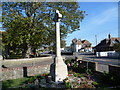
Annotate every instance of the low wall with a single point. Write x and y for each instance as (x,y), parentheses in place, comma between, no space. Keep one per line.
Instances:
(88,65)
(14,73)
(100,67)
(114,69)
(19,62)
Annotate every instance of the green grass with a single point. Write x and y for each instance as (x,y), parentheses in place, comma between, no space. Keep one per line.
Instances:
(13,82)
(15,56)
(21,81)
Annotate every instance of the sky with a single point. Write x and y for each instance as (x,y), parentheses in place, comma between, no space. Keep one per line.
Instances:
(101,20)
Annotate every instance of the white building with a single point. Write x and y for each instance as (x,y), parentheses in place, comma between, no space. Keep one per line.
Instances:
(81,46)
(76,45)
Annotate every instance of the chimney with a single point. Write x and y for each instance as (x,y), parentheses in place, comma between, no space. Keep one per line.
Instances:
(109,36)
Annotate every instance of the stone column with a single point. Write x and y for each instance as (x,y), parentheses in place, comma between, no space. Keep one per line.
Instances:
(96,66)
(58,50)
(59,67)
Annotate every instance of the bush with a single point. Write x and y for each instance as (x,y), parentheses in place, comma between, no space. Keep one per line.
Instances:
(89,71)
(111,79)
(32,79)
(68,85)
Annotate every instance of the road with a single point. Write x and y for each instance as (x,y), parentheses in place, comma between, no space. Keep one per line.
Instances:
(93,58)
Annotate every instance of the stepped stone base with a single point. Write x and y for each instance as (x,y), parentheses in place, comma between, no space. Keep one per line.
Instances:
(58,70)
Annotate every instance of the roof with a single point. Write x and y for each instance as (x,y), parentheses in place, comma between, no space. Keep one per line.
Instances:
(78,42)
(68,47)
(74,40)
(86,42)
(107,43)
(114,38)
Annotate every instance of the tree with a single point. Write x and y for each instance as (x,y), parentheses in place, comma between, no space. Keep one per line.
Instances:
(30,24)
(117,47)
(63,43)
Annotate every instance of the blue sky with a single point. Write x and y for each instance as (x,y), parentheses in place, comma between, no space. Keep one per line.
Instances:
(101,20)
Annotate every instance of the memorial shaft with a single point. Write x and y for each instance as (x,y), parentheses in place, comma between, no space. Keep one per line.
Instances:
(58,51)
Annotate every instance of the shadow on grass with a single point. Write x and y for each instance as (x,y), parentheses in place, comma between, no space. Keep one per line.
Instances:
(12,83)
(7,84)
(22,83)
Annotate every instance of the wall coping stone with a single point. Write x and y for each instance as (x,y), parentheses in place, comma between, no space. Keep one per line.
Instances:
(27,59)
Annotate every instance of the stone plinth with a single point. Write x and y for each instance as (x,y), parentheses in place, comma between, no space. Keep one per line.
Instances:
(60,70)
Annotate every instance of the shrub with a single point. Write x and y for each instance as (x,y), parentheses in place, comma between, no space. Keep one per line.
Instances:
(89,72)
(111,79)
(68,85)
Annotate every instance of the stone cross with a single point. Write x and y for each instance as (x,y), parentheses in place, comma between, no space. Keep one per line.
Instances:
(57,18)
(60,68)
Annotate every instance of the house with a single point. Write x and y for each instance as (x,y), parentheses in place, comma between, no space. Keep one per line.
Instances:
(76,45)
(107,44)
(68,49)
(86,46)
(81,45)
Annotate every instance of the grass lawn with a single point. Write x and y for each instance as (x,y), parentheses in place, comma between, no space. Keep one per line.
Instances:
(13,83)
(22,82)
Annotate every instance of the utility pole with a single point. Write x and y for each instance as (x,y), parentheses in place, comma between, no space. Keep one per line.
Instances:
(96,39)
